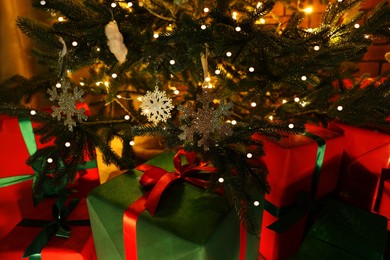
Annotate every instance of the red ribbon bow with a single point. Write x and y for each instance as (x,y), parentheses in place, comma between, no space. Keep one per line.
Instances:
(160,179)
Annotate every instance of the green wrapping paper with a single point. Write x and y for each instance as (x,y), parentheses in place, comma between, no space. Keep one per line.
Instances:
(345,232)
(190,222)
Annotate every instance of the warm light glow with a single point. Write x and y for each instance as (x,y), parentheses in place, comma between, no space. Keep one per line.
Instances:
(339,108)
(207,79)
(49,160)
(259,4)
(58,85)
(129,4)
(155,35)
(234,122)
(131,143)
(271,118)
(291,126)
(172,62)
(127,117)
(221,180)
(234,15)
(98,49)
(316,48)
(253,104)
(106,83)
(82,83)
(206,10)
(42,2)
(60,19)
(284,101)
(118,96)
(303,78)
(367,36)
(356,25)
(176,92)
(203,27)
(217,72)
(238,29)
(251,69)
(249,155)
(229,54)
(33,112)
(296,99)
(114,75)
(262,20)
(67,144)
(256,203)
(309,30)
(113,5)
(308,10)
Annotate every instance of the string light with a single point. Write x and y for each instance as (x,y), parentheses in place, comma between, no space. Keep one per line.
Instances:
(203,27)
(127,117)
(140,3)
(33,112)
(58,85)
(251,69)
(221,180)
(131,143)
(172,62)
(308,10)
(114,75)
(234,15)
(253,104)
(106,83)
(303,78)
(49,160)
(271,118)
(229,54)
(217,72)
(60,19)
(238,28)
(284,101)
(82,83)
(234,122)
(296,99)
(356,25)
(176,92)
(249,155)
(316,48)
(291,126)
(118,96)
(42,2)
(113,5)
(207,79)
(97,49)
(340,1)
(129,4)
(155,35)
(256,203)
(339,108)
(206,10)
(259,4)
(309,30)
(366,36)
(74,43)
(67,144)
(268,93)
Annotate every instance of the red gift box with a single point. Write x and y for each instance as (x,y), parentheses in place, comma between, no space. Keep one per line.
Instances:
(16,199)
(291,163)
(366,153)
(78,246)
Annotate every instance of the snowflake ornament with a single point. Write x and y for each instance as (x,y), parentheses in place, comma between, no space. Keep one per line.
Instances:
(207,122)
(67,104)
(156,106)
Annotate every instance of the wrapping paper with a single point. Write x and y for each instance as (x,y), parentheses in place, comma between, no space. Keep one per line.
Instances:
(291,164)
(16,199)
(79,246)
(366,153)
(345,232)
(190,222)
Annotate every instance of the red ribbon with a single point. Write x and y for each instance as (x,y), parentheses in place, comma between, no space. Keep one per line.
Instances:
(160,179)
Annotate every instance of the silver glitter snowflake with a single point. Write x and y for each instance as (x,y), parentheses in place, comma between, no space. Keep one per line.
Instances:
(207,122)
(67,101)
(156,106)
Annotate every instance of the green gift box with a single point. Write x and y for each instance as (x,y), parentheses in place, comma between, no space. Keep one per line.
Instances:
(190,222)
(345,232)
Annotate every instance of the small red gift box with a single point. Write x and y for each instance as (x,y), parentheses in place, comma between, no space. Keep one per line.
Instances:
(17,144)
(300,168)
(366,153)
(79,246)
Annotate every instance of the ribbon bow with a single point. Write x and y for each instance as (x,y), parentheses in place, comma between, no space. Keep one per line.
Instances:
(160,179)
(58,227)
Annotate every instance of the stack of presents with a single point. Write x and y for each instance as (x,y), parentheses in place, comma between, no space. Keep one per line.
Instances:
(329,199)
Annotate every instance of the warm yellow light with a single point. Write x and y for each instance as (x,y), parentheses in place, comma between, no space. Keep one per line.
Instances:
(308,10)
(60,19)
(234,15)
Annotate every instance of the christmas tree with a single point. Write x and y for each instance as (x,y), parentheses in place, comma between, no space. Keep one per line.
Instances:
(203,75)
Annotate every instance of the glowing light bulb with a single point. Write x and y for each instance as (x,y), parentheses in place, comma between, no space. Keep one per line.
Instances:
(238,28)
(49,160)
(67,144)
(176,92)
(155,35)
(131,143)
(229,54)
(356,25)
(74,43)
(206,10)
(259,4)
(217,72)
(203,27)
(140,3)
(262,20)
(308,10)
(253,104)
(256,203)
(291,126)
(82,83)
(58,85)
(234,15)
(340,1)
(129,4)
(118,96)
(207,79)
(60,19)
(316,48)
(296,99)
(97,49)
(172,62)
(127,117)
(366,36)
(339,108)
(113,5)
(221,180)
(234,122)
(251,69)
(114,75)
(268,93)
(249,155)
(303,78)
(284,101)
(33,112)
(271,118)
(42,2)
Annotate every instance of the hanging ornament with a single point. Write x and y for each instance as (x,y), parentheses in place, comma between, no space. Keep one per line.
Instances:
(156,106)
(67,104)
(115,41)
(387,56)
(207,122)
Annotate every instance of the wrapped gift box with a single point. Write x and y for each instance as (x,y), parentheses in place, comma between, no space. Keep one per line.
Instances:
(366,153)
(190,222)
(79,246)
(300,168)
(345,232)
(16,197)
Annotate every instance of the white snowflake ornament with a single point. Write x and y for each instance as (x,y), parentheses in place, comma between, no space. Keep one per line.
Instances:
(156,106)
(67,104)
